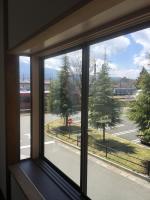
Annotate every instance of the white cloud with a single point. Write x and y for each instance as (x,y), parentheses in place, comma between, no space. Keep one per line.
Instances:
(54,62)
(129,73)
(57,62)
(99,62)
(110,47)
(142,38)
(142,60)
(24,59)
(115,71)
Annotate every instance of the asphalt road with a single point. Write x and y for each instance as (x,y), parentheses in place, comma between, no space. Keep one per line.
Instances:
(126,129)
(104,181)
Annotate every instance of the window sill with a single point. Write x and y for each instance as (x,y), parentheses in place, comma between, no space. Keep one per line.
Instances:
(38,180)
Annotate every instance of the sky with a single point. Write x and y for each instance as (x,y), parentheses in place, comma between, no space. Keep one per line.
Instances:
(126,55)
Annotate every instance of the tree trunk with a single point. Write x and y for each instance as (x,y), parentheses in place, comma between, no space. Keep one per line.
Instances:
(104,132)
(66,120)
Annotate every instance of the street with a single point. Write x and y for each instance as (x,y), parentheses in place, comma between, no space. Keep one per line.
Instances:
(105,182)
(126,129)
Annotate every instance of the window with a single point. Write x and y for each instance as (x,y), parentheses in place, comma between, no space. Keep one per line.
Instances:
(62,112)
(119,68)
(25,106)
(98,97)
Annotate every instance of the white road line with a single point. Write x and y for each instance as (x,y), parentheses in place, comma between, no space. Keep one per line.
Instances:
(25,147)
(28,135)
(49,142)
(136,141)
(125,132)
(116,126)
(28,146)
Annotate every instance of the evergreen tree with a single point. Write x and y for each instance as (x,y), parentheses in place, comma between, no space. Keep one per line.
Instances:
(140,108)
(65,106)
(53,97)
(103,108)
(138,81)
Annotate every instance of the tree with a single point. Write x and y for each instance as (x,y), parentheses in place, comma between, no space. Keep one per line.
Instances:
(103,108)
(142,74)
(140,108)
(65,106)
(53,97)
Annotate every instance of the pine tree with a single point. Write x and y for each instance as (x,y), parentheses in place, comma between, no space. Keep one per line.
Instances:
(138,81)
(103,108)
(140,108)
(65,107)
(53,97)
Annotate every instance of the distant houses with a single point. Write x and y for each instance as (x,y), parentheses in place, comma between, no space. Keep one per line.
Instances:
(124,91)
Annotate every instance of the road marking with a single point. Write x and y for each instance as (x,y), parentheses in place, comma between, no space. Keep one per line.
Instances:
(28,135)
(49,142)
(116,126)
(25,147)
(136,141)
(125,132)
(28,146)
(24,156)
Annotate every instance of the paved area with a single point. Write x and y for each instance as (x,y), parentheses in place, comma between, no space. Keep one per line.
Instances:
(126,129)
(105,182)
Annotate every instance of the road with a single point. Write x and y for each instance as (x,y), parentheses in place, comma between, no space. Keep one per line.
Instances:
(126,129)
(104,181)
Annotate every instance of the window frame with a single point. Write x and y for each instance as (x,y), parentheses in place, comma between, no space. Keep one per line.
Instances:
(31,102)
(84,117)
(84,45)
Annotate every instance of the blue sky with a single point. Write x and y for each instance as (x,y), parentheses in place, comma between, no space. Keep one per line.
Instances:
(126,55)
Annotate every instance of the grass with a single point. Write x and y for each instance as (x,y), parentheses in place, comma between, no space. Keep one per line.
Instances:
(121,151)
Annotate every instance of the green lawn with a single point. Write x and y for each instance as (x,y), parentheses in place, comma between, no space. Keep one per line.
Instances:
(124,152)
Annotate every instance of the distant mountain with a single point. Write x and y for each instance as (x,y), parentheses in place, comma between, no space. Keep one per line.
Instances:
(113,78)
(50,74)
(24,72)
(124,82)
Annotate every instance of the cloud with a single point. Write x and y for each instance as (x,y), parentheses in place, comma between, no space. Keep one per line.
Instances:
(142,59)
(54,62)
(110,47)
(115,71)
(129,73)
(142,37)
(24,59)
(74,57)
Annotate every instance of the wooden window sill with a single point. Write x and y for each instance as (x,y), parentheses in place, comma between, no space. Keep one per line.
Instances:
(38,180)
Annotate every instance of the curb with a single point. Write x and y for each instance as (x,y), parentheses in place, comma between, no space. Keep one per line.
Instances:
(146,178)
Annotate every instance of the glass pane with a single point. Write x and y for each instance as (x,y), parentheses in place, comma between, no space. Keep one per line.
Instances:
(62,104)
(25,107)
(119,116)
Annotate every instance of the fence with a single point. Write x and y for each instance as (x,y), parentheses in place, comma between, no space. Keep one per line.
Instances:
(104,150)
